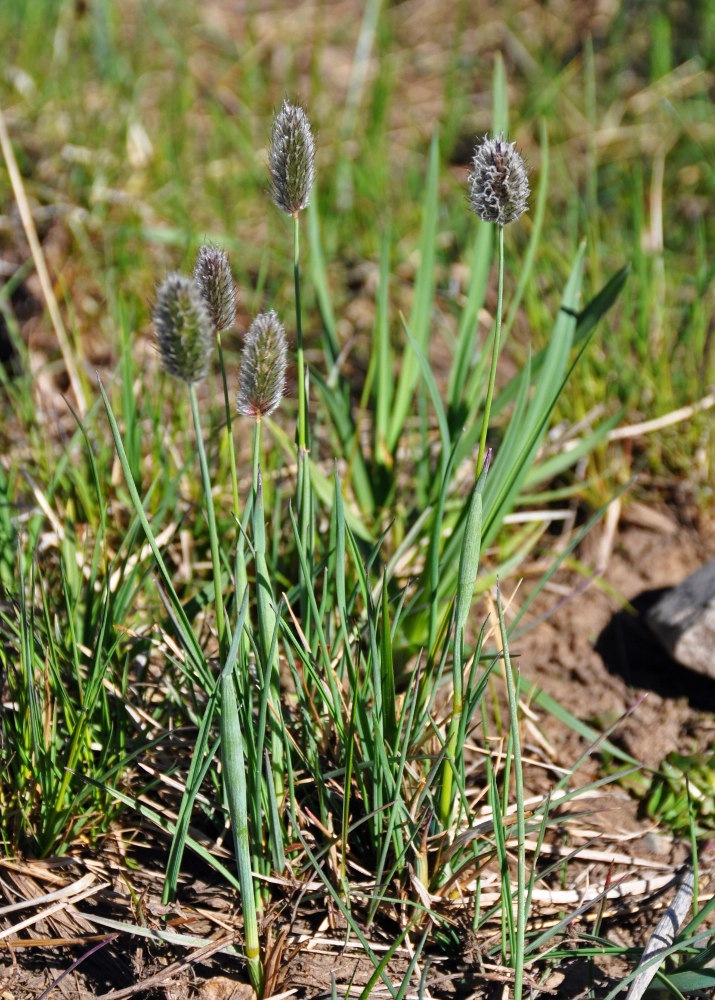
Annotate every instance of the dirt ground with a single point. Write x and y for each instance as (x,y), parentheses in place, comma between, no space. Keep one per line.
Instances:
(598,659)
(592,655)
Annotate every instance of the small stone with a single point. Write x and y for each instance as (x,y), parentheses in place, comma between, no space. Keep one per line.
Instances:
(684,620)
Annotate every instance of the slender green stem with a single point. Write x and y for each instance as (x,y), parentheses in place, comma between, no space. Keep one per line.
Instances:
(229,435)
(213,534)
(306,534)
(303,432)
(303,437)
(495,352)
(518,957)
(240,571)
(256,455)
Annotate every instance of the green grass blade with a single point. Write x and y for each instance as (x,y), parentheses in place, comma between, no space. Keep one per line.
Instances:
(387,673)
(512,686)
(352,924)
(383,360)
(508,476)
(548,470)
(421,313)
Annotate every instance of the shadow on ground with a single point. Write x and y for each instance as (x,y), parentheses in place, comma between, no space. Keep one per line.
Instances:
(629,650)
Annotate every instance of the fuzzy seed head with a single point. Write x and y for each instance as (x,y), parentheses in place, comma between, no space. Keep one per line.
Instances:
(212,274)
(263,367)
(184,331)
(292,159)
(498,183)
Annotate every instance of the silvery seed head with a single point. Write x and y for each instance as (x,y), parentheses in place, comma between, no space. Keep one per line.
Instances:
(183,328)
(498,183)
(212,274)
(263,367)
(292,159)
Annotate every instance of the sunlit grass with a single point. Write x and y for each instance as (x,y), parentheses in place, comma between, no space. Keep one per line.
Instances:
(309,603)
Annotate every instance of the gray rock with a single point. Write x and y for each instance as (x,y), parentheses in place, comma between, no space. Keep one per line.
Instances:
(684,620)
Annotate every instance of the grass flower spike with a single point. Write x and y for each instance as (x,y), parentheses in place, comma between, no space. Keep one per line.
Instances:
(498,184)
(263,367)
(292,159)
(183,328)
(214,280)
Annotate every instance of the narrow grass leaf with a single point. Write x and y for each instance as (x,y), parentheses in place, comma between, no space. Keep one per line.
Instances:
(512,686)
(470,552)
(557,562)
(421,313)
(383,360)
(387,673)
(352,924)
(551,468)
(501,490)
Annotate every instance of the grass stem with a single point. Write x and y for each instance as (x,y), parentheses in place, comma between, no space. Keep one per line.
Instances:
(495,351)
(512,694)
(303,437)
(211,518)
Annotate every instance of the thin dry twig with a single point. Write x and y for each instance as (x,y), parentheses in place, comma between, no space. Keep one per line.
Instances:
(663,936)
(674,417)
